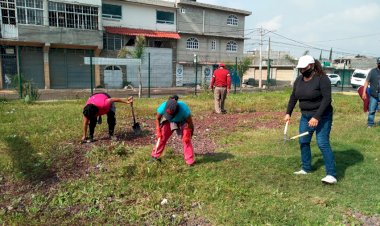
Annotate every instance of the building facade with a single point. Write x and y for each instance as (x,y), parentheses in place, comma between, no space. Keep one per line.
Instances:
(123,21)
(45,41)
(210,34)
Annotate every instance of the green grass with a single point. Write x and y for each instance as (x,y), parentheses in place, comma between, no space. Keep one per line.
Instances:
(249,180)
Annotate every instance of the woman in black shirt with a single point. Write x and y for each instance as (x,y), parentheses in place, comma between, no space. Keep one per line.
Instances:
(313,92)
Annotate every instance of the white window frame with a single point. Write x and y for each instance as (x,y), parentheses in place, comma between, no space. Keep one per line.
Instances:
(117,42)
(231,46)
(113,16)
(232,20)
(213,45)
(8,6)
(164,21)
(82,17)
(192,43)
(32,10)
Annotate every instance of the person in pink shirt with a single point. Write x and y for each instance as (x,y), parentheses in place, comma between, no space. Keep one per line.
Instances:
(97,105)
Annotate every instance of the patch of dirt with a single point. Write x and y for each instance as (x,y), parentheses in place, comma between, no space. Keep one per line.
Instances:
(364,219)
(75,165)
(206,128)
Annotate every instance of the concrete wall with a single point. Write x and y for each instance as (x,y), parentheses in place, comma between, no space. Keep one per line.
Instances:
(54,35)
(85,2)
(205,54)
(161,74)
(140,16)
(208,21)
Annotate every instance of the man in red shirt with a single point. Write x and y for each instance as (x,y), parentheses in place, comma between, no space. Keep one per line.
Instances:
(221,82)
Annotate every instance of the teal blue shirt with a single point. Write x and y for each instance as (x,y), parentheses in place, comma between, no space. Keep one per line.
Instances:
(181,116)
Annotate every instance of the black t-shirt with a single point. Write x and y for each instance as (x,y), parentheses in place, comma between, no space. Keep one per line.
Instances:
(314,96)
(374,79)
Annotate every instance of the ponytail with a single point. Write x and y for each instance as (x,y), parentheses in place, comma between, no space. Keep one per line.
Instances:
(318,68)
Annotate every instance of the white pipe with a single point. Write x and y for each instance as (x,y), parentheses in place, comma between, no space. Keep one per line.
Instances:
(300,135)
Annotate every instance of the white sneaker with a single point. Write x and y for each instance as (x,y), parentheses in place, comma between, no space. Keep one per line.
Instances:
(301,172)
(329,179)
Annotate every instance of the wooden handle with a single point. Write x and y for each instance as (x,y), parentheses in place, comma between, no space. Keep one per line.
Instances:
(286,127)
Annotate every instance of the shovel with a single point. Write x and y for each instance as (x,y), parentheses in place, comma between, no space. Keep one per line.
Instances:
(136,126)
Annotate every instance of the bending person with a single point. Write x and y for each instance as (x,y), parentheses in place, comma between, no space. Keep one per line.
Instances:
(174,115)
(97,105)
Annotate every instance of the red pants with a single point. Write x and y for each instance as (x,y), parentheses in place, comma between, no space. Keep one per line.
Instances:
(186,140)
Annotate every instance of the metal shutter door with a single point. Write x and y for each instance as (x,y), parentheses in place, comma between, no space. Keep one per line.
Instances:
(32,65)
(58,69)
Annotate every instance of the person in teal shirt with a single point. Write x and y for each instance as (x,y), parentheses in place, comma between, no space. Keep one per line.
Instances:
(174,115)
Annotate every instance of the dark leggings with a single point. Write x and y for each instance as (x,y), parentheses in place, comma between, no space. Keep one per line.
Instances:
(111,121)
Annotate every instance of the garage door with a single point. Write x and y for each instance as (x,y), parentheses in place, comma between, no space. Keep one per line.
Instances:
(67,69)
(32,65)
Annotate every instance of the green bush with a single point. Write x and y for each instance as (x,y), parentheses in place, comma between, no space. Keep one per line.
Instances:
(29,91)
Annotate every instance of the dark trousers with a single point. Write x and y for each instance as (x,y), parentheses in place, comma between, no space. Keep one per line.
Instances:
(111,121)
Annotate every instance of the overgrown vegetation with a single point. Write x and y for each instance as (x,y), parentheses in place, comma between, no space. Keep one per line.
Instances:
(48,178)
(27,88)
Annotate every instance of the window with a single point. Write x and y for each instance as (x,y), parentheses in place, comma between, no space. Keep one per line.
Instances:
(30,12)
(8,11)
(165,17)
(192,43)
(73,16)
(232,20)
(112,42)
(213,45)
(231,46)
(111,11)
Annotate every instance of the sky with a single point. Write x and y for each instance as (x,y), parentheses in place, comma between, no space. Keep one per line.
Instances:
(349,27)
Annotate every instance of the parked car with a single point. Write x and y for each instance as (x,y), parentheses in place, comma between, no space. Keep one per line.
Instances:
(334,79)
(358,77)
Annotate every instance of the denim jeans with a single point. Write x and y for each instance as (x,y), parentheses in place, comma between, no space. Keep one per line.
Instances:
(372,110)
(323,140)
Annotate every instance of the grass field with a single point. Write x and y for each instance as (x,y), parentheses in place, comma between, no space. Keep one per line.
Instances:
(47,177)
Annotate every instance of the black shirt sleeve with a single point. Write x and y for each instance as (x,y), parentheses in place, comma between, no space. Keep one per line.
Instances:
(293,100)
(325,86)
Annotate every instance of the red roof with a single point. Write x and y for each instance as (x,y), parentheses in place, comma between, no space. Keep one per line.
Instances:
(142,32)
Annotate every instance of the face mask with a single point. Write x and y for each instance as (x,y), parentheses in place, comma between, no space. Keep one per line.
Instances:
(307,73)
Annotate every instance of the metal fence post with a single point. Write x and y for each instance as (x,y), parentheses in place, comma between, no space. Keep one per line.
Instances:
(91,73)
(196,73)
(19,70)
(148,75)
(344,73)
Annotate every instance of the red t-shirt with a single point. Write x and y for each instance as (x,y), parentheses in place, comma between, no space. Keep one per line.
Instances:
(221,78)
(101,101)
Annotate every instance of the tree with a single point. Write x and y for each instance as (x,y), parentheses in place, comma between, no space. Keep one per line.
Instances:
(137,53)
(242,67)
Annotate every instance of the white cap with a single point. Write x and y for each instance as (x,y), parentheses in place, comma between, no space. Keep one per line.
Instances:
(304,61)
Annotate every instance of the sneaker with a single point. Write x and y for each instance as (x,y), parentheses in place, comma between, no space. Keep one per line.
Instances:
(301,172)
(329,179)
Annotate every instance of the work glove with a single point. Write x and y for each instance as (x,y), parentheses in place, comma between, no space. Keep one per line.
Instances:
(158,132)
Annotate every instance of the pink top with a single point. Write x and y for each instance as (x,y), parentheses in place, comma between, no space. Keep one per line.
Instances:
(102,102)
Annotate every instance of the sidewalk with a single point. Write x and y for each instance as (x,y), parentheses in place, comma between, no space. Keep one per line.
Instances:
(70,94)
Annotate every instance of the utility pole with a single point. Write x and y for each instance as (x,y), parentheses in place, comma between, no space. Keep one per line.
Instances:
(261,58)
(268,65)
